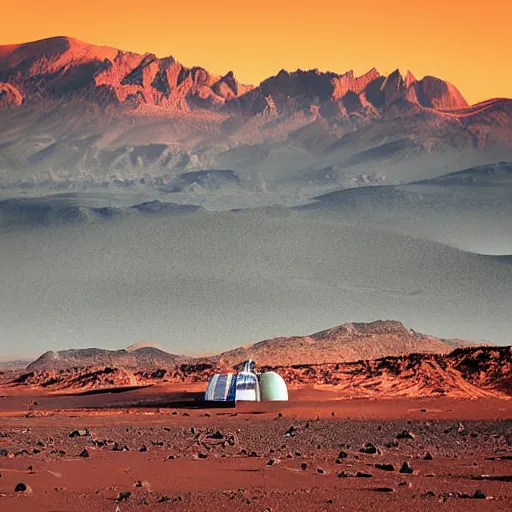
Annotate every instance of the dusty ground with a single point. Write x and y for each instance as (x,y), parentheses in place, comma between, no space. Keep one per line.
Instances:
(195,458)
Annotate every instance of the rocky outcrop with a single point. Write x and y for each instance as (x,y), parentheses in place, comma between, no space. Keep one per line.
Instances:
(348,342)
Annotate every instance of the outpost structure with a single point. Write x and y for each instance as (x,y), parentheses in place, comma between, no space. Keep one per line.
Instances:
(246,385)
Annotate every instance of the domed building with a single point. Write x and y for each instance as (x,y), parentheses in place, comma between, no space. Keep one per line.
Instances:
(246,385)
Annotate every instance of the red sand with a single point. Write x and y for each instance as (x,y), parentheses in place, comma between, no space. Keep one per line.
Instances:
(228,478)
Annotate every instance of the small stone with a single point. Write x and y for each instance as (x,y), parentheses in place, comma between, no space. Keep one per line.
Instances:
(320,471)
(84,453)
(22,487)
(272,462)
(279,414)
(384,489)
(428,456)
(342,455)
(479,495)
(163,499)
(124,495)
(405,435)
(369,448)
(291,432)
(202,455)
(429,494)
(143,448)
(362,474)
(80,433)
(385,467)
(303,466)
(406,469)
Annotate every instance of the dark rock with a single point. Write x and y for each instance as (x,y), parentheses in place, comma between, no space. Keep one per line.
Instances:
(80,433)
(369,448)
(272,462)
(4,452)
(362,474)
(429,494)
(84,454)
(384,489)
(22,487)
(123,496)
(392,444)
(385,467)
(291,432)
(163,499)
(479,495)
(406,468)
(320,471)
(405,435)
(216,435)
(428,456)
(143,448)
(303,466)
(342,455)
(202,455)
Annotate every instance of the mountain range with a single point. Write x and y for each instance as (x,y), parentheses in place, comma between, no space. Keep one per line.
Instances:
(348,342)
(77,115)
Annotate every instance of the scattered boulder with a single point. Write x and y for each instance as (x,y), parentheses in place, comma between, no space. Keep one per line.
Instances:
(80,433)
(303,466)
(405,435)
(273,462)
(369,448)
(143,448)
(428,456)
(320,471)
(84,453)
(123,496)
(292,431)
(479,495)
(362,474)
(22,488)
(406,469)
(384,489)
(202,455)
(385,467)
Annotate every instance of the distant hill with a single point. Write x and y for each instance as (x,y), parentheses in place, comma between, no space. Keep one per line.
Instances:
(145,357)
(348,342)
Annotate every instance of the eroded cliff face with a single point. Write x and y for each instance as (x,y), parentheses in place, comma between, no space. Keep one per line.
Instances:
(475,372)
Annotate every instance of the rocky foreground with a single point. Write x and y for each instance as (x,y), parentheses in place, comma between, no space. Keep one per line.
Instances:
(222,461)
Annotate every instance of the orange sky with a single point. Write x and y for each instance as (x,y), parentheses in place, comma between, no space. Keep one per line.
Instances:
(465,42)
